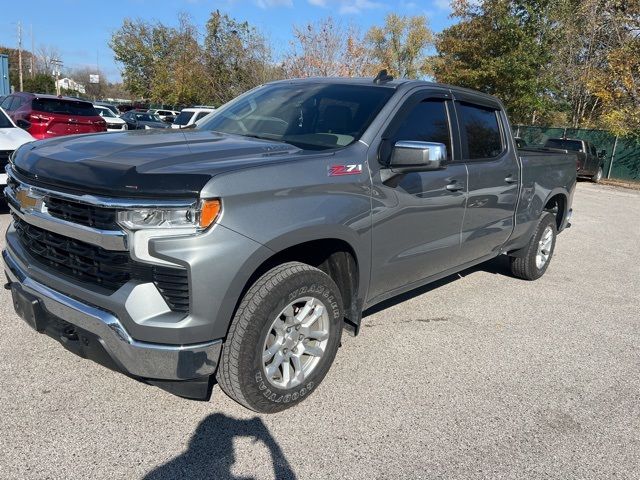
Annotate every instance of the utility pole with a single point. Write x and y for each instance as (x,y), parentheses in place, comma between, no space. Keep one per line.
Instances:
(57,65)
(33,62)
(20,54)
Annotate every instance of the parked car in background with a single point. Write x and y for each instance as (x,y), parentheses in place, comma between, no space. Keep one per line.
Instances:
(11,137)
(189,116)
(46,116)
(143,120)
(589,163)
(165,115)
(110,106)
(114,122)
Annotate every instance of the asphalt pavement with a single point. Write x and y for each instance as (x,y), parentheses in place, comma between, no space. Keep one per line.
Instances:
(479,376)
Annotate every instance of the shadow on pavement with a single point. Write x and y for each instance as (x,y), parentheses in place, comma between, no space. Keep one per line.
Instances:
(497,266)
(211,455)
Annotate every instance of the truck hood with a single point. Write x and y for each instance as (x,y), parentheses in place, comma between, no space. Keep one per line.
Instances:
(149,163)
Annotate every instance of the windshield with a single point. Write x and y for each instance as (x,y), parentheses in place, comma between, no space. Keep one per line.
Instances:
(105,112)
(310,116)
(183,118)
(573,145)
(4,120)
(147,117)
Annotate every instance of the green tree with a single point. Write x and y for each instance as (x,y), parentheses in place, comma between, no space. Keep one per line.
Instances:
(400,45)
(237,57)
(503,48)
(141,47)
(40,83)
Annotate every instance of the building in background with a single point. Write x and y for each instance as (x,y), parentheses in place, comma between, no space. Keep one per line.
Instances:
(70,84)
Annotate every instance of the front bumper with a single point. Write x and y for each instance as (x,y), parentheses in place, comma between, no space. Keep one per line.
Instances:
(138,359)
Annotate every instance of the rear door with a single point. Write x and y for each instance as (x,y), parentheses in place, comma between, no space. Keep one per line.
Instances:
(494,176)
(417,216)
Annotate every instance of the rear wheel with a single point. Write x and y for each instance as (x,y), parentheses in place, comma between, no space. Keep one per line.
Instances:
(283,338)
(597,176)
(539,251)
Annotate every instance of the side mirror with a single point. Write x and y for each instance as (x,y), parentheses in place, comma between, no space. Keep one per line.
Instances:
(23,124)
(409,155)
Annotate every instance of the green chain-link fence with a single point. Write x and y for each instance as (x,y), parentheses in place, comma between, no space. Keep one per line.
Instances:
(622,155)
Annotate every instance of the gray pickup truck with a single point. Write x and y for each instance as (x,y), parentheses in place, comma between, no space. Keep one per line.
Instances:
(589,162)
(237,251)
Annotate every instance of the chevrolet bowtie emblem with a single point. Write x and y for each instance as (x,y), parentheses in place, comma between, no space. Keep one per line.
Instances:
(25,200)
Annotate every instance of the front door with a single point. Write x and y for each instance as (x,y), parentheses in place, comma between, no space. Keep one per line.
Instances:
(417,216)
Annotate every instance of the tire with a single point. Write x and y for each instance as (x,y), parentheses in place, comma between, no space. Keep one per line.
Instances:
(598,175)
(531,266)
(270,322)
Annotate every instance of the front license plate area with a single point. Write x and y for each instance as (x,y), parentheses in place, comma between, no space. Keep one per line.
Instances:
(28,308)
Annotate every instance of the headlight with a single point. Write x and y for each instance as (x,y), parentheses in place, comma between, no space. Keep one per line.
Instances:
(196,218)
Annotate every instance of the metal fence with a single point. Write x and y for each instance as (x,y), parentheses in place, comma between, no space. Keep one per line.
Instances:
(622,155)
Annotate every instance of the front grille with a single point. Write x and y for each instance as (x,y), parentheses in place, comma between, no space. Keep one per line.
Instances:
(4,158)
(96,266)
(81,213)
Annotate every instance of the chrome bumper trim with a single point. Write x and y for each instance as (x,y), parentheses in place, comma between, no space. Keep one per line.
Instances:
(140,359)
(107,239)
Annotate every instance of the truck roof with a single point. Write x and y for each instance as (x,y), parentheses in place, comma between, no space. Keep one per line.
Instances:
(395,84)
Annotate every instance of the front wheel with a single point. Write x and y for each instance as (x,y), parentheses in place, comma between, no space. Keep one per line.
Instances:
(539,251)
(597,176)
(283,338)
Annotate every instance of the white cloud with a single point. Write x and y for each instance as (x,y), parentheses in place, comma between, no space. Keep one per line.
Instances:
(443,4)
(274,3)
(346,7)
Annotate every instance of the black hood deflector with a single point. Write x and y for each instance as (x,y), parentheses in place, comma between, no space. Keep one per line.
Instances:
(143,163)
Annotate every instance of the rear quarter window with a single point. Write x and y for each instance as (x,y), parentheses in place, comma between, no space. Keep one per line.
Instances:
(64,107)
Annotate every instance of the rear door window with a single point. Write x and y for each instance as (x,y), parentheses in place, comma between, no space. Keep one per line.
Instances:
(481,133)
(64,107)
(201,115)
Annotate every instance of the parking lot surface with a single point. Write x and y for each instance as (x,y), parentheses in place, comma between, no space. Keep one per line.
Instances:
(479,376)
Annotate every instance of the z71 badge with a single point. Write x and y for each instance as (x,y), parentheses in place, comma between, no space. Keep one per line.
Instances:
(339,170)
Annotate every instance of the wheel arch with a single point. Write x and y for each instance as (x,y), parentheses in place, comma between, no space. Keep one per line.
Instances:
(556,203)
(333,254)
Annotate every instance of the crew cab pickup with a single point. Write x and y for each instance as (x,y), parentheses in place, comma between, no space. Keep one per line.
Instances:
(239,250)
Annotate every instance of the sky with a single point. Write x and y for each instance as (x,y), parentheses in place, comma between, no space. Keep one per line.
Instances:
(81,29)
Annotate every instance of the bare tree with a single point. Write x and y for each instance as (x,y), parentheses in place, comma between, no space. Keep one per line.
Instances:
(44,54)
(327,49)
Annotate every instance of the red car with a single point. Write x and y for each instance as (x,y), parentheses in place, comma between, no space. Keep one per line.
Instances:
(46,116)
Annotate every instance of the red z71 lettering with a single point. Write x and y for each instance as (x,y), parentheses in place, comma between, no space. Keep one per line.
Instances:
(339,170)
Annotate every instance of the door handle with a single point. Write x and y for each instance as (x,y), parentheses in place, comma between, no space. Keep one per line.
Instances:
(454,186)
(511,179)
